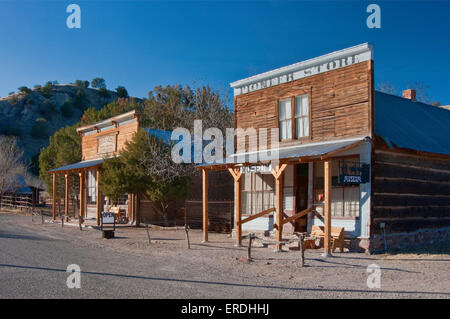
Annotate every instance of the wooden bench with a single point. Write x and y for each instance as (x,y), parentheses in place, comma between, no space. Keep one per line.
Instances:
(318,232)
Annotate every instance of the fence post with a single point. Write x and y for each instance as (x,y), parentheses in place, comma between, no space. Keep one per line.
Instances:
(301,244)
(249,252)
(148,234)
(186,229)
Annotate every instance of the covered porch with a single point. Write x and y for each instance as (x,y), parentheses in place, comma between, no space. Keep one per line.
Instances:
(91,201)
(324,153)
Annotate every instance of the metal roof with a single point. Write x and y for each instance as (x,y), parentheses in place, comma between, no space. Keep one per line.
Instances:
(77,166)
(297,151)
(414,125)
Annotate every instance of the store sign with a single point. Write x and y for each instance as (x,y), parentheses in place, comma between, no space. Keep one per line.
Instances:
(325,63)
(107,218)
(257,169)
(353,173)
(106,144)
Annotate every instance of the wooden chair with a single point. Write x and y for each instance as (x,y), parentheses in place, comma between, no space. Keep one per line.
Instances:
(318,232)
(119,215)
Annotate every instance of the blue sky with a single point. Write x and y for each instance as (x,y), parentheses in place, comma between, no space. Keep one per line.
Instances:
(141,44)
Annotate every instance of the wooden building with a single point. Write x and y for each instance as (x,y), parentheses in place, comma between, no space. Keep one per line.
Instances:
(347,156)
(106,139)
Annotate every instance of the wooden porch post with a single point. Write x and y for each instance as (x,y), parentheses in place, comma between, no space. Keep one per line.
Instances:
(54,197)
(205,204)
(279,202)
(82,185)
(327,183)
(66,198)
(237,204)
(98,195)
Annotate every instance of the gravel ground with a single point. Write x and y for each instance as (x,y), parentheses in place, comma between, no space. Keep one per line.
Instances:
(34,258)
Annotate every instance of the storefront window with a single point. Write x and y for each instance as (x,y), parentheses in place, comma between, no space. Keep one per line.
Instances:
(344,199)
(91,187)
(285,118)
(301,116)
(257,192)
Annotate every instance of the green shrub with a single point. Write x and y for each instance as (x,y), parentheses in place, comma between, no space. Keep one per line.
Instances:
(40,128)
(47,90)
(67,110)
(47,109)
(13,100)
(78,100)
(122,91)
(98,83)
(24,89)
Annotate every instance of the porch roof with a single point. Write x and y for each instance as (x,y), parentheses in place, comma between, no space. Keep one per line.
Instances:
(310,151)
(77,166)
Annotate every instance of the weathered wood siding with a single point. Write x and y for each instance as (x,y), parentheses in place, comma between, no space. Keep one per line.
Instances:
(123,133)
(409,192)
(340,102)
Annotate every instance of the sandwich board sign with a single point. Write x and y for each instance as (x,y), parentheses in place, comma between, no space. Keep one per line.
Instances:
(107,218)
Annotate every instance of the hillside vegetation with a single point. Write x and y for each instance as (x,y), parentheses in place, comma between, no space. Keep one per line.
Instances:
(32,115)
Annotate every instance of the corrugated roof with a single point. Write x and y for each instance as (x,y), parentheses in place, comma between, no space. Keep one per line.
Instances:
(78,165)
(297,151)
(413,125)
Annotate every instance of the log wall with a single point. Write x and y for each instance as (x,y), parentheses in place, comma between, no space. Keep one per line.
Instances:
(409,192)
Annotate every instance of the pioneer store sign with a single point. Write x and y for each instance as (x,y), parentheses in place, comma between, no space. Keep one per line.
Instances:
(325,63)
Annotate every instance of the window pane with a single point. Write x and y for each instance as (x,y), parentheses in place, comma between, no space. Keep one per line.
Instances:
(288,108)
(288,129)
(305,105)
(282,110)
(305,126)
(282,130)
(298,128)
(298,104)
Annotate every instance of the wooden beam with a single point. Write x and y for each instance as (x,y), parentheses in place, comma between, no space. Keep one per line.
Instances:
(54,198)
(279,204)
(327,183)
(205,204)
(98,196)
(236,175)
(82,194)
(279,171)
(66,197)
(298,215)
(238,209)
(252,217)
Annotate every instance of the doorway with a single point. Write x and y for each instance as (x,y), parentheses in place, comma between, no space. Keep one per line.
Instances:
(301,198)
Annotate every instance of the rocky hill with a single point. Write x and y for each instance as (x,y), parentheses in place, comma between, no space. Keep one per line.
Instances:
(35,114)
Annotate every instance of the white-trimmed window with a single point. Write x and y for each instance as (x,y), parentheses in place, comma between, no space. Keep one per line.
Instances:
(285,119)
(301,116)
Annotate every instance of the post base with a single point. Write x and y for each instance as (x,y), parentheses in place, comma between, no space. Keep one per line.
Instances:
(326,255)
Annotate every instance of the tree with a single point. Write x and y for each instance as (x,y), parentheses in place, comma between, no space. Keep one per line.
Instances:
(47,109)
(387,87)
(47,90)
(25,90)
(64,149)
(122,91)
(82,84)
(67,110)
(78,100)
(145,167)
(98,83)
(40,128)
(11,165)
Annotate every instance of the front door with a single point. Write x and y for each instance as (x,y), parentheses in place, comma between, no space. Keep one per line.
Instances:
(301,198)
